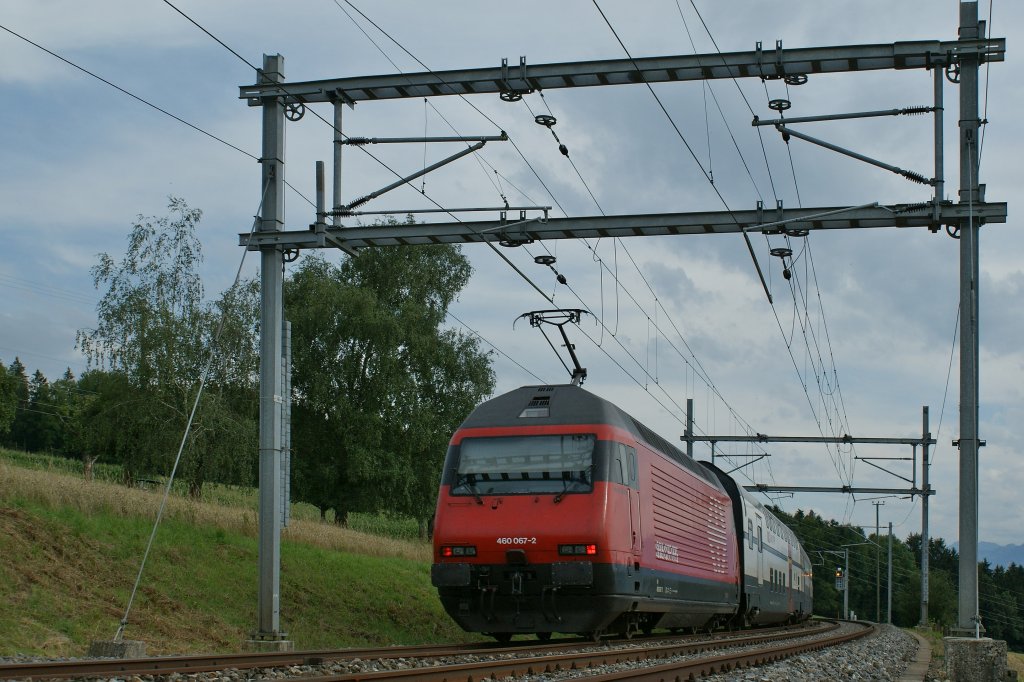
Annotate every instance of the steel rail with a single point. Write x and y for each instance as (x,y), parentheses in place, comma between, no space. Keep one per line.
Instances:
(203,663)
(585,660)
(165,665)
(699,668)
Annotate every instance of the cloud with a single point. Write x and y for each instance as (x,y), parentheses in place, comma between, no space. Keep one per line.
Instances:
(83,160)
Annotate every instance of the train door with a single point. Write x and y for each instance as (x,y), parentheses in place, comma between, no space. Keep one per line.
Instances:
(760,549)
(789,578)
(634,501)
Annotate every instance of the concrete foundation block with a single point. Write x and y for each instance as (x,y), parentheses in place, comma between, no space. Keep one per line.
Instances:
(976,660)
(123,648)
(269,644)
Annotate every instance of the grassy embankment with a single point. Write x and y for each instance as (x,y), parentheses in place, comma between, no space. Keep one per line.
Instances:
(70,550)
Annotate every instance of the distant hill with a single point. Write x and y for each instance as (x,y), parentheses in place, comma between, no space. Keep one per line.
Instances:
(999,555)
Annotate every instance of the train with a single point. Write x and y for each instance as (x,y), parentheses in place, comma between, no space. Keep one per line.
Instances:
(558,512)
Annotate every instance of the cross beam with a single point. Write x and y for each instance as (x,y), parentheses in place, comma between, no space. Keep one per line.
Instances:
(851,490)
(838,440)
(646,225)
(770,63)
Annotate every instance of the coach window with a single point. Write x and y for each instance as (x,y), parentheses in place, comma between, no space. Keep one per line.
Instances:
(750,533)
(760,544)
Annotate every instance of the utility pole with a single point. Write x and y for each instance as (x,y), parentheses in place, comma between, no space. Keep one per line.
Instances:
(878,564)
(846,584)
(339,139)
(268,634)
(925,541)
(889,579)
(970,194)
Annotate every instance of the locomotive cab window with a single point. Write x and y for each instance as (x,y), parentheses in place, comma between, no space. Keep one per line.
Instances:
(525,465)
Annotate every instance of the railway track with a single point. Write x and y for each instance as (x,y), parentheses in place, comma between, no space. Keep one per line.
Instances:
(652,658)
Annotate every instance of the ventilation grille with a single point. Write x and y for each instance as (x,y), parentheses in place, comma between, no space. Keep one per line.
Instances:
(539,406)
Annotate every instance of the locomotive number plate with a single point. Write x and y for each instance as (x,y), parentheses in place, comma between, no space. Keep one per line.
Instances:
(517,541)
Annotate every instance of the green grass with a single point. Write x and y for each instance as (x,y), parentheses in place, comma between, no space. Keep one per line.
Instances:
(1016,663)
(383,524)
(68,563)
(42,462)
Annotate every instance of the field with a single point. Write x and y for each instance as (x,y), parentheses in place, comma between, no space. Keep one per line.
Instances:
(70,551)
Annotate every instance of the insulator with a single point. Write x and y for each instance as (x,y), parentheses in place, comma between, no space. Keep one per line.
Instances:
(511,243)
(565,150)
(561,278)
(913,208)
(913,111)
(786,274)
(916,177)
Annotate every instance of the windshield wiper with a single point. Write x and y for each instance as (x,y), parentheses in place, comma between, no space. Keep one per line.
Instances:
(568,480)
(470,482)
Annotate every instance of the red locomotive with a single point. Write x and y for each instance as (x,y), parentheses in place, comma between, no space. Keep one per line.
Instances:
(559,512)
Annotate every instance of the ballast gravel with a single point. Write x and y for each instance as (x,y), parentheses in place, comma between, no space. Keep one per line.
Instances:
(882,657)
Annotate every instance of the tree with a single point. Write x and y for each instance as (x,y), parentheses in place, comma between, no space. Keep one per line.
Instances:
(8,400)
(153,336)
(379,385)
(43,426)
(17,379)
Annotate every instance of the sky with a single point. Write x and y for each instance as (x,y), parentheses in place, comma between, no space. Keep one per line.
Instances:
(858,341)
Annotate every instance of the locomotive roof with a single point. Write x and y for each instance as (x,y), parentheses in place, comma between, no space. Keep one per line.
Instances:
(567,404)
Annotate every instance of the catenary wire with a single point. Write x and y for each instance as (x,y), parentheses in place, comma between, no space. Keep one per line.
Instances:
(491,344)
(720,196)
(768,167)
(393,40)
(375,158)
(146,102)
(236,54)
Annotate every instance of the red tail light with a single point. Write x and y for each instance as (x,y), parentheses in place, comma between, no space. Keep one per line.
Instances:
(578,550)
